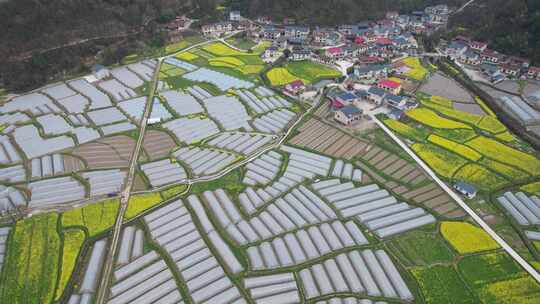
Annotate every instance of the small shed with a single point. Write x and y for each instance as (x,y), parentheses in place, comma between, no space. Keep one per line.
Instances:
(468,190)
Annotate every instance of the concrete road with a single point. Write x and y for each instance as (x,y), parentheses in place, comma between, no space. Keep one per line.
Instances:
(463,205)
(126,193)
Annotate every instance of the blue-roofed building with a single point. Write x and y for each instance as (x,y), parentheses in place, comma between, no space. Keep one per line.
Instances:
(348,115)
(395,114)
(376,94)
(395,101)
(372,71)
(344,99)
(468,190)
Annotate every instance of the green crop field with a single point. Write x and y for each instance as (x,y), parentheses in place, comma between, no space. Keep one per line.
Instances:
(72,244)
(96,218)
(31,265)
(421,248)
(442,284)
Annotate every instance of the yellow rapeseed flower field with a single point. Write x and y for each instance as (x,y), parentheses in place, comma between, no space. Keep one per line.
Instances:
(455,147)
(432,119)
(467,238)
(280,76)
(186,56)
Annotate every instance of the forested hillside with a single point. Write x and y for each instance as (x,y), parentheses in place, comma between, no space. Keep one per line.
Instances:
(511,26)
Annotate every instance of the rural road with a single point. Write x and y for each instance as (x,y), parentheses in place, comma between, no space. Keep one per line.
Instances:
(460,201)
(126,193)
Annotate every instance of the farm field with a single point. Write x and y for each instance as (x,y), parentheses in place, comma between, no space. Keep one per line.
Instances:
(418,72)
(307,71)
(466,238)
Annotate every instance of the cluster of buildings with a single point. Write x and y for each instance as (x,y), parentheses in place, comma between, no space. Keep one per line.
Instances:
(372,41)
(496,66)
(347,105)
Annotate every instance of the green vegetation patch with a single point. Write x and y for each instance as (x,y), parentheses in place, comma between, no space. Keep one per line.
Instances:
(442,284)
(497,278)
(173,191)
(505,154)
(442,161)
(31,265)
(416,134)
(73,240)
(422,249)
(481,177)
(457,135)
(231,182)
(532,188)
(96,218)
(503,169)
(311,71)
(142,202)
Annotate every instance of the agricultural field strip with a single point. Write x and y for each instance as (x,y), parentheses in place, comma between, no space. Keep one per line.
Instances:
(467,209)
(275,289)
(173,228)
(263,104)
(92,274)
(204,161)
(55,191)
(47,165)
(13,174)
(192,130)
(4,232)
(274,122)
(264,169)
(103,182)
(243,143)
(228,111)
(298,209)
(182,104)
(350,300)
(141,278)
(158,144)
(372,206)
(524,209)
(11,198)
(346,171)
(163,172)
(222,81)
(357,271)
(131,245)
(305,245)
(302,165)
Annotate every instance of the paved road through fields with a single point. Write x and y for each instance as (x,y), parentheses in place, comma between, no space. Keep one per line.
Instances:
(126,193)
(460,201)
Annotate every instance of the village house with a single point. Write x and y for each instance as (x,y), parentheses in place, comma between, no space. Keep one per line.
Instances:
(271,54)
(344,99)
(371,71)
(289,21)
(491,56)
(217,29)
(470,57)
(334,53)
(298,32)
(299,54)
(478,46)
(100,72)
(281,43)
(235,16)
(534,73)
(456,48)
(391,86)
(348,115)
(295,87)
(376,94)
(270,32)
(522,62)
(392,15)
(264,20)
(395,101)
(468,190)
(511,70)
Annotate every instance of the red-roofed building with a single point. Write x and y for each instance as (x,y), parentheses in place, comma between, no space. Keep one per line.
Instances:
(295,87)
(510,69)
(384,42)
(391,86)
(335,52)
(534,73)
(478,45)
(491,56)
(359,40)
